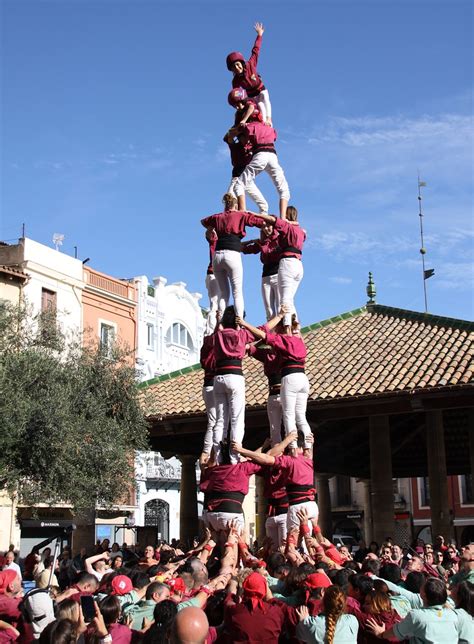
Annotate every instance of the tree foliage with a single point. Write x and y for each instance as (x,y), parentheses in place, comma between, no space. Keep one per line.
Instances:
(70,417)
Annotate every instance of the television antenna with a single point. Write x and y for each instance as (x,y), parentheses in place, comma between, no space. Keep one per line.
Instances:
(58,239)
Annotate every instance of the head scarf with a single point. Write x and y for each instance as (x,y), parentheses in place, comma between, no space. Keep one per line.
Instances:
(255,589)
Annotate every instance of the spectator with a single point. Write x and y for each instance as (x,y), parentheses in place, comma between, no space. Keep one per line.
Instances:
(189,627)
(433,623)
(333,626)
(10,563)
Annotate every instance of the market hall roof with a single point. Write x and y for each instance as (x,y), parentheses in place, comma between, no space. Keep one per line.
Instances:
(367,352)
(375,357)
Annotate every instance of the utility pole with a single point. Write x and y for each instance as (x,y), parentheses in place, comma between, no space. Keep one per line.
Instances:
(427,273)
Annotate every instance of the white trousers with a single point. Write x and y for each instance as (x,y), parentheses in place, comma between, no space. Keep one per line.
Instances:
(261,161)
(292,519)
(229,396)
(274,413)
(294,398)
(290,274)
(208,397)
(218,521)
(229,273)
(213,293)
(253,192)
(270,295)
(264,105)
(276,529)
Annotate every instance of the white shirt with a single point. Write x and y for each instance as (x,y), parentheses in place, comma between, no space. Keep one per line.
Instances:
(15,567)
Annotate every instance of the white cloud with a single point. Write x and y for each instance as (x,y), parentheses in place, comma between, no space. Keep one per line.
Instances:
(339,279)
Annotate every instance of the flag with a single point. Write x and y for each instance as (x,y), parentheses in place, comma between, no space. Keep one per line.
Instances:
(422,184)
(428,273)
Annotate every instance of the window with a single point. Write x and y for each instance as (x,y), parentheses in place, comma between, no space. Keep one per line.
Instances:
(467,497)
(424,491)
(343,489)
(179,335)
(150,291)
(150,335)
(107,337)
(48,301)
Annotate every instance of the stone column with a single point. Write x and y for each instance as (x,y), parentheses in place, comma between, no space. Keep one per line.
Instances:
(381,478)
(438,476)
(367,512)
(470,429)
(188,513)
(324,504)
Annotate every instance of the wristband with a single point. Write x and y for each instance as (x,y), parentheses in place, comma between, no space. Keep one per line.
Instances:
(205,589)
(304,529)
(316,530)
(209,548)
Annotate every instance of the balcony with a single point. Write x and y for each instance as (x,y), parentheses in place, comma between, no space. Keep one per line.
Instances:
(108,284)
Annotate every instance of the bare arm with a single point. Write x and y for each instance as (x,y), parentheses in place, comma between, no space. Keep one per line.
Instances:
(258,333)
(92,560)
(279,448)
(256,457)
(248,113)
(271,324)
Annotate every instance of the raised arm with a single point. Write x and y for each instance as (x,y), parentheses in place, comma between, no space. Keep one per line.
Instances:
(258,333)
(260,457)
(271,324)
(279,448)
(248,113)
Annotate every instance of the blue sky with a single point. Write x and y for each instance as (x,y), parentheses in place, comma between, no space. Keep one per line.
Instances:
(113,114)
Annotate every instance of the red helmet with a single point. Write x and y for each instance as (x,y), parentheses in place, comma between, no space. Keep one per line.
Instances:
(232,58)
(236,96)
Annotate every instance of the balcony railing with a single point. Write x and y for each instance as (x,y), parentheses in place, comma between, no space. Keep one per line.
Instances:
(108,284)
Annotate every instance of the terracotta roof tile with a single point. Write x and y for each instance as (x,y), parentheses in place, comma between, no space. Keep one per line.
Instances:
(368,351)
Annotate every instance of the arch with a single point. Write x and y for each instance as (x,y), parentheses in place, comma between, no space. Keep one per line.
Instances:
(157,513)
(179,335)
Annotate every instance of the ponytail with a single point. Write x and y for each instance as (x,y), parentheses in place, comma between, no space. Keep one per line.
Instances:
(229,201)
(334,603)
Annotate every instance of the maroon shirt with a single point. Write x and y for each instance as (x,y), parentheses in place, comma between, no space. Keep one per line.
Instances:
(230,344)
(250,79)
(240,156)
(232,222)
(259,136)
(255,116)
(9,610)
(289,348)
(292,236)
(271,364)
(228,478)
(241,624)
(212,250)
(274,491)
(298,476)
(269,249)
(208,359)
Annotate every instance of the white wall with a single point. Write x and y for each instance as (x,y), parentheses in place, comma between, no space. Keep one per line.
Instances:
(55,271)
(171,303)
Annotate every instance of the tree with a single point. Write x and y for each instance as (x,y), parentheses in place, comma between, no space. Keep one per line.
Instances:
(70,417)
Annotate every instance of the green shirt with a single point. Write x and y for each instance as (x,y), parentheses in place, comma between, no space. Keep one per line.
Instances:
(463,575)
(466,626)
(429,625)
(143,609)
(313,630)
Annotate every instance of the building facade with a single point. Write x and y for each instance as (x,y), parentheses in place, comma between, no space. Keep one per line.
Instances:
(170,327)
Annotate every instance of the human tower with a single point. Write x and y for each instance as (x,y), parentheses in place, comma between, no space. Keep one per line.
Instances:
(277,344)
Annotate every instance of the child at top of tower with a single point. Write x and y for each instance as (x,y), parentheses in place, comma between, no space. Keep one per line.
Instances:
(247,77)
(246,109)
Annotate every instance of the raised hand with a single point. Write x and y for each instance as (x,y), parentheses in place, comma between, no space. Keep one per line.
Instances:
(259,28)
(302,612)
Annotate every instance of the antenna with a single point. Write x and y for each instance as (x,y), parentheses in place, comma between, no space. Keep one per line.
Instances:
(427,273)
(58,239)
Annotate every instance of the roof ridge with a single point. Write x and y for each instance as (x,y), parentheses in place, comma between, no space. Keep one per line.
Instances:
(431,318)
(337,318)
(169,376)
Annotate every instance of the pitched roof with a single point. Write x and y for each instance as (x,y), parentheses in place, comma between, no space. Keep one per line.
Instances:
(369,351)
(13,271)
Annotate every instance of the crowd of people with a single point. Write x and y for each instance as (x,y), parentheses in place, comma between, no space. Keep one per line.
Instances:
(307,590)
